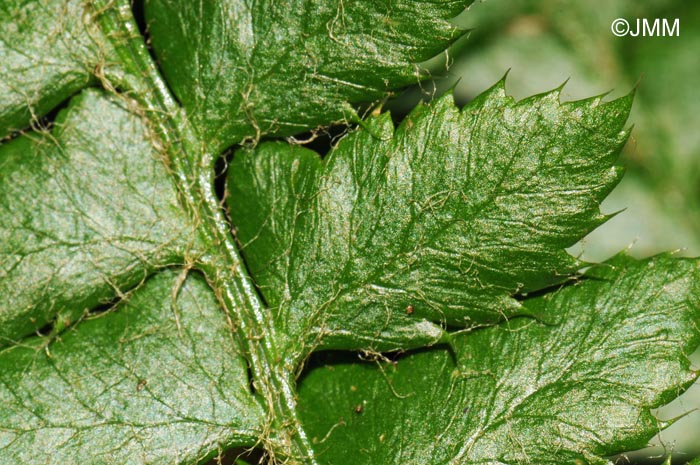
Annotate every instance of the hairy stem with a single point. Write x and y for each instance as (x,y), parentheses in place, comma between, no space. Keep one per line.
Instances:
(192,167)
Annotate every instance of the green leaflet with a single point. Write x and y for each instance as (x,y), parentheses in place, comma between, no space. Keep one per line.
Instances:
(660,189)
(129,386)
(449,220)
(441,220)
(523,392)
(49,49)
(88,211)
(246,69)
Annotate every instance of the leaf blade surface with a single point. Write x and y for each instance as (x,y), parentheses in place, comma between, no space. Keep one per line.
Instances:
(243,70)
(88,212)
(524,392)
(438,222)
(133,385)
(50,50)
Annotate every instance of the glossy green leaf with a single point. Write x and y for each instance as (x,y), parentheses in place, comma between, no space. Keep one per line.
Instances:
(147,382)
(442,220)
(49,49)
(246,69)
(548,41)
(88,211)
(523,392)
(450,220)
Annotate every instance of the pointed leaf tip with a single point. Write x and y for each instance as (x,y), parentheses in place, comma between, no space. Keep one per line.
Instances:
(448,216)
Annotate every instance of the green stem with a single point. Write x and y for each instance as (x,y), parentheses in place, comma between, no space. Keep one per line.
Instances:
(192,166)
